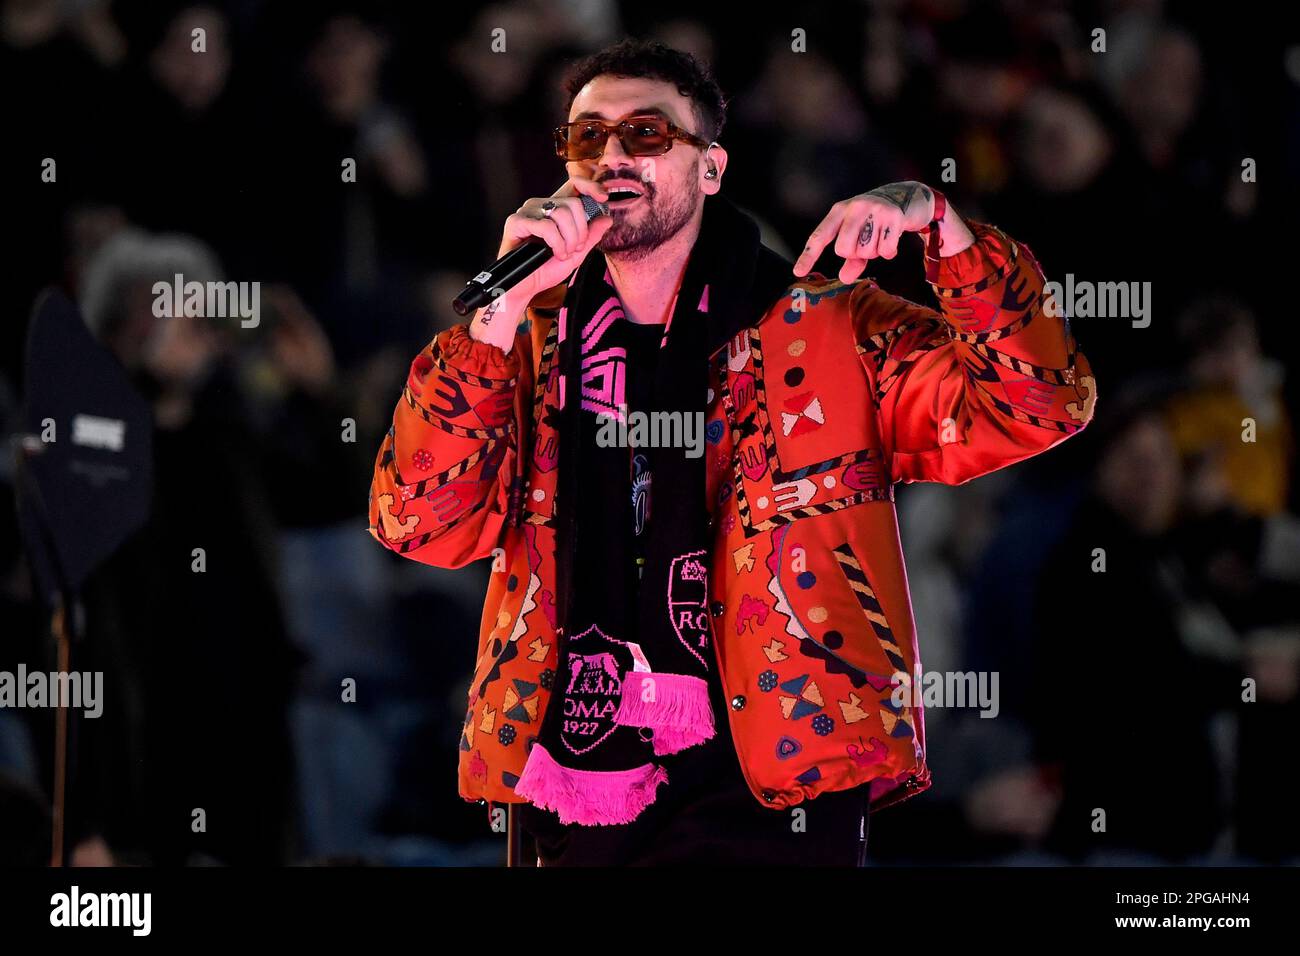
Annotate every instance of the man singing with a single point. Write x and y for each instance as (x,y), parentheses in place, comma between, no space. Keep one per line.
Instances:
(691,657)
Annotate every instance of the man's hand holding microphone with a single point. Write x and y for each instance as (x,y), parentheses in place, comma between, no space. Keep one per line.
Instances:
(564,223)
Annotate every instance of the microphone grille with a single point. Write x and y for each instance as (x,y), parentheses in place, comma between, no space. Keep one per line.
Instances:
(594,208)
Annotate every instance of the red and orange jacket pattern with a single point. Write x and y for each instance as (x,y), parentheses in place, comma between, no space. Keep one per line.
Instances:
(815,413)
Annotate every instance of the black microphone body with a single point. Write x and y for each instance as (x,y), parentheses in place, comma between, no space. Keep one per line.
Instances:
(513,267)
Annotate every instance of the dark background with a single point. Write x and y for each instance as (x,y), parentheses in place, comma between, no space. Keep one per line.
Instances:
(1119,690)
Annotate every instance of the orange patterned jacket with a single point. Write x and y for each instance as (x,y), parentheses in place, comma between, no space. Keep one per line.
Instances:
(815,412)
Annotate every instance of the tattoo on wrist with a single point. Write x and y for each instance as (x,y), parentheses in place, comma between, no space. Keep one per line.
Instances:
(490,310)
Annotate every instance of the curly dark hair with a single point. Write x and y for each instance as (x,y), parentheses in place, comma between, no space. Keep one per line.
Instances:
(650,59)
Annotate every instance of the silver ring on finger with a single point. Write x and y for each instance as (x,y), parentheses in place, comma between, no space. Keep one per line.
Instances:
(549,207)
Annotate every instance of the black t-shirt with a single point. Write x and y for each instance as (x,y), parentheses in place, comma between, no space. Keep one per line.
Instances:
(705,813)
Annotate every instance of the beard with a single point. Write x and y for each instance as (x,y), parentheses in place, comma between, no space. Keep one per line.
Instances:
(661,219)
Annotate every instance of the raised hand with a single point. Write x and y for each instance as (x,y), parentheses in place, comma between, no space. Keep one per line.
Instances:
(868,226)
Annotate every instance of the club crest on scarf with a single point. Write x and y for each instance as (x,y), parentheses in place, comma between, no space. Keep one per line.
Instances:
(593,691)
(688,603)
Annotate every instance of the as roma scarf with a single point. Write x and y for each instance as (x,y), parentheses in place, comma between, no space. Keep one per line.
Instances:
(635,645)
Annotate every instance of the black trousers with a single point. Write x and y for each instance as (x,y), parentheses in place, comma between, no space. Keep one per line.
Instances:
(706,815)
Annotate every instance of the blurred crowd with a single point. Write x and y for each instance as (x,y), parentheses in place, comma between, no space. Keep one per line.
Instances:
(1121,684)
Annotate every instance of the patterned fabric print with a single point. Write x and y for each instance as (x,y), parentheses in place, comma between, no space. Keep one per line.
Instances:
(812,478)
(436,519)
(815,412)
(474,413)
(516,671)
(813,681)
(798,612)
(895,718)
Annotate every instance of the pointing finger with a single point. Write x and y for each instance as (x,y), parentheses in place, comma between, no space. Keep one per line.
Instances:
(818,239)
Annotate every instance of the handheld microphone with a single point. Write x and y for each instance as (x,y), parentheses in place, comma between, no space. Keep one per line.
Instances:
(514,266)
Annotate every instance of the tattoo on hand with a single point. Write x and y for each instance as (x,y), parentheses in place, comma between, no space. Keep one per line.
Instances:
(900,194)
(865,236)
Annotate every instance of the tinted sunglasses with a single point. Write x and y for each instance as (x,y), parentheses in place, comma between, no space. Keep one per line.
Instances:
(638,135)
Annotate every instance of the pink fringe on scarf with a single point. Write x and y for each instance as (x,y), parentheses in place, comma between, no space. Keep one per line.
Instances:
(680,715)
(588,797)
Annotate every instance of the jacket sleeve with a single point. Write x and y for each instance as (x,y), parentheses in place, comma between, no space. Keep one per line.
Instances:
(990,379)
(441,489)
